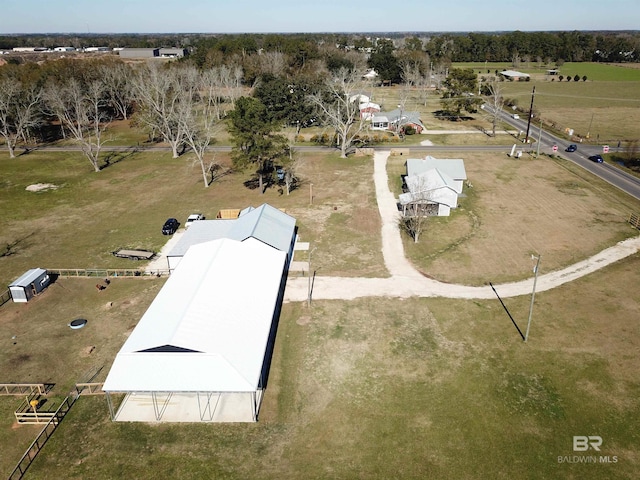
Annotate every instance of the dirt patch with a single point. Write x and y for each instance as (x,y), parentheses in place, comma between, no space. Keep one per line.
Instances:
(304,320)
(39,187)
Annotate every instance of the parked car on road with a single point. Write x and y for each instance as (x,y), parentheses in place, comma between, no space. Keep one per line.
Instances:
(596,158)
(571,148)
(170,226)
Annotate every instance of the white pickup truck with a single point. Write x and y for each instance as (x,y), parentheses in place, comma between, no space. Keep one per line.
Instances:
(194,217)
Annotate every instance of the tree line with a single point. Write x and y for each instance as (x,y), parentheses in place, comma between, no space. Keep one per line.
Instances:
(251,85)
(177,104)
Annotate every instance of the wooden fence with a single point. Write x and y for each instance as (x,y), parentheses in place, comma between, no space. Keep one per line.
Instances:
(634,219)
(101,272)
(25,388)
(27,413)
(33,450)
(89,388)
(5,297)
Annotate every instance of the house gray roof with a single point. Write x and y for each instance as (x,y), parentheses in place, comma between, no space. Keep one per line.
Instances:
(398,116)
(453,167)
(432,186)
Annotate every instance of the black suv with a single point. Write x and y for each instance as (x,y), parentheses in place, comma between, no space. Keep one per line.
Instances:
(170,226)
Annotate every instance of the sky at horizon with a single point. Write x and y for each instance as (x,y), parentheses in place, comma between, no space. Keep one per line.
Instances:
(307,16)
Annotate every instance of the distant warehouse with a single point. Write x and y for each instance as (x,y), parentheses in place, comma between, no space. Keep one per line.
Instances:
(152,52)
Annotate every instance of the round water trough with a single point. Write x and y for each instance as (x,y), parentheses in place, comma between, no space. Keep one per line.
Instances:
(78,323)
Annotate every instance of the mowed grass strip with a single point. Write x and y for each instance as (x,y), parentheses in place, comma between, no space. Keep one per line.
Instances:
(418,388)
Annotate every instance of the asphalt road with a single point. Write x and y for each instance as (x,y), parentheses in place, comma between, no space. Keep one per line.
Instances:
(616,177)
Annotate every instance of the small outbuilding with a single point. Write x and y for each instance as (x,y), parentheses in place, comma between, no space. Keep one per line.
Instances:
(514,75)
(30,284)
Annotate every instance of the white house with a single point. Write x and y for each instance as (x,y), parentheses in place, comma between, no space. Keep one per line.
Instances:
(453,167)
(370,75)
(432,187)
(396,119)
(368,110)
(202,350)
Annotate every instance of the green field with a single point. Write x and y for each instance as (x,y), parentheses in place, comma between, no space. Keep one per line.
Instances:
(593,71)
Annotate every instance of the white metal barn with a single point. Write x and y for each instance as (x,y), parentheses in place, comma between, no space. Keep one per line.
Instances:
(201,352)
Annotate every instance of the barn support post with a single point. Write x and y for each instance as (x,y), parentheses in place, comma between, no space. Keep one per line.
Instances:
(207,406)
(110,405)
(254,406)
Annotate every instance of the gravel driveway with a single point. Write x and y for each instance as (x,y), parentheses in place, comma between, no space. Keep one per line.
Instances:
(406,281)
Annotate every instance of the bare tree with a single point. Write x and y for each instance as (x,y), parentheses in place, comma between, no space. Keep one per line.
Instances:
(416,79)
(291,167)
(211,91)
(417,206)
(231,79)
(273,62)
(18,111)
(165,96)
(411,74)
(219,84)
(336,105)
(495,99)
(118,84)
(415,218)
(81,109)
(199,124)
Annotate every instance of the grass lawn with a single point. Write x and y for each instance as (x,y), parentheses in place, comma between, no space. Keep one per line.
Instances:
(381,388)
(374,388)
(89,215)
(516,208)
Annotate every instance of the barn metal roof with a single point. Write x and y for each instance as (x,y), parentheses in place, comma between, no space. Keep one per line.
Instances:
(207,329)
(265,223)
(453,167)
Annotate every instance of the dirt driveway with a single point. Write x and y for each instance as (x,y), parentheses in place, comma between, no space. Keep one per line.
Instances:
(406,281)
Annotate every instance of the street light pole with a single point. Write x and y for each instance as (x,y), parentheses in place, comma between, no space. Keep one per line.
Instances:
(533,294)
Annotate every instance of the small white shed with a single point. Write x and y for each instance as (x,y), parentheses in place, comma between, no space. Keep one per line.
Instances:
(30,284)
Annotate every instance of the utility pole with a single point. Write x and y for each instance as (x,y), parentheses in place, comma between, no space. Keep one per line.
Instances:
(533,294)
(526,138)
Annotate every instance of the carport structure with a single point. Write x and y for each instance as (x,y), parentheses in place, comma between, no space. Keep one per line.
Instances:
(202,350)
